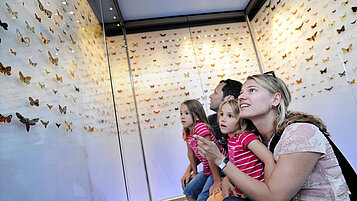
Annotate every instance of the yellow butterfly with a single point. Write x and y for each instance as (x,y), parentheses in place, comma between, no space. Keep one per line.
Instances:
(345,50)
(44,40)
(16,14)
(186,74)
(25,40)
(68,126)
(24,79)
(41,85)
(326,60)
(52,60)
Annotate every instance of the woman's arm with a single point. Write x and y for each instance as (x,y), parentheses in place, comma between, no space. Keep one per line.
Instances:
(263,153)
(217,182)
(288,176)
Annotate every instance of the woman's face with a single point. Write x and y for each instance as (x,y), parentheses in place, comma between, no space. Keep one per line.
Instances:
(254,100)
(227,120)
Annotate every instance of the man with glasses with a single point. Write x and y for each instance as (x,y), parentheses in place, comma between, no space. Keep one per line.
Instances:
(225,90)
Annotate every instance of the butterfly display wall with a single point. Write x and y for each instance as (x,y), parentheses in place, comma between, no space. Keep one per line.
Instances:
(171,66)
(49,49)
(309,44)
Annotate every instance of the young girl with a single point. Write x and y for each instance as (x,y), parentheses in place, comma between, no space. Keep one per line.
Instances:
(244,149)
(195,122)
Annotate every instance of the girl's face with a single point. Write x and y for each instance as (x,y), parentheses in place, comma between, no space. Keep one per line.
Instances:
(254,100)
(227,120)
(185,117)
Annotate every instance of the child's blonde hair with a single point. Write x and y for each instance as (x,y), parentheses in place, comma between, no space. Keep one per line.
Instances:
(198,115)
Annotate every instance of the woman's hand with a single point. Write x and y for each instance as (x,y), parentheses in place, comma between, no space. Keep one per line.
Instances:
(209,149)
(228,188)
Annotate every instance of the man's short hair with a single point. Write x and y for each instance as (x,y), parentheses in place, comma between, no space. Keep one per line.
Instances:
(231,87)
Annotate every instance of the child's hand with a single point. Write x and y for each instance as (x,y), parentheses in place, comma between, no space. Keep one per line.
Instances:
(216,186)
(185,179)
(228,188)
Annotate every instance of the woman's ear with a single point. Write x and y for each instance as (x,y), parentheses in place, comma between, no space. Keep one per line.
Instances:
(276,99)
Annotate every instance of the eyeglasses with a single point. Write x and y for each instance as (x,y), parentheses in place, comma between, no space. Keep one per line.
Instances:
(270,73)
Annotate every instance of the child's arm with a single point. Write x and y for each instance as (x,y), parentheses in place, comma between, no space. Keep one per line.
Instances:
(217,182)
(263,153)
(192,167)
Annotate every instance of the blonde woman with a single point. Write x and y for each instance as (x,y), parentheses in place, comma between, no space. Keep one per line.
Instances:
(306,166)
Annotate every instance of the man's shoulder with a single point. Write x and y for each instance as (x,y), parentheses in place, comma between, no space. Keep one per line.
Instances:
(212,118)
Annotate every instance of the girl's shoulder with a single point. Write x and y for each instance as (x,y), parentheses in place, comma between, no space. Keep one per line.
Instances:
(200,125)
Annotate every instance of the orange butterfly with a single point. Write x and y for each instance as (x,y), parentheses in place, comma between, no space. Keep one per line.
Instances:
(5,119)
(44,40)
(5,70)
(59,79)
(74,42)
(13,52)
(56,23)
(299,81)
(24,79)
(59,15)
(345,50)
(51,29)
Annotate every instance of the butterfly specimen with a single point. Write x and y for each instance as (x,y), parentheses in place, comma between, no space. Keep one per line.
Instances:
(54,91)
(341,30)
(25,40)
(72,73)
(13,52)
(4,25)
(59,79)
(41,85)
(62,110)
(299,28)
(50,106)
(342,74)
(58,125)
(329,89)
(299,81)
(52,60)
(6,119)
(56,23)
(76,88)
(74,63)
(345,50)
(37,18)
(313,26)
(162,35)
(326,60)
(51,30)
(352,82)
(323,71)
(60,40)
(34,102)
(6,70)
(186,75)
(32,63)
(354,9)
(74,42)
(27,121)
(44,40)
(32,29)
(45,124)
(68,126)
(59,15)
(310,58)
(16,14)
(47,12)
(24,79)
(313,37)
(47,72)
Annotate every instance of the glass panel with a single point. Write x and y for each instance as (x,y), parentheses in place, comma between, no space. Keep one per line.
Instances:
(61,143)
(309,45)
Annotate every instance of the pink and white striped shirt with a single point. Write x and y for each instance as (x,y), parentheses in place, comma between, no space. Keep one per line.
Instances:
(202,130)
(243,158)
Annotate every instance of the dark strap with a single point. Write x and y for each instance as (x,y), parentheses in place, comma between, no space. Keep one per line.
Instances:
(273,142)
(347,170)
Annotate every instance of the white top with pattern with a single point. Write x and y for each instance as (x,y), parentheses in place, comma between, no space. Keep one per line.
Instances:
(326,181)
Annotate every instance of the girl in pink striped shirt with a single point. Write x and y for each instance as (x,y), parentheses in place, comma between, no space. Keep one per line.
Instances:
(245,150)
(198,186)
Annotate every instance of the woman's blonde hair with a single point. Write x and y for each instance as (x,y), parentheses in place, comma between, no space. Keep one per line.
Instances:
(198,115)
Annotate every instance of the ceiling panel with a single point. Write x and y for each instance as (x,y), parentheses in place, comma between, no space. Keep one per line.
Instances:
(146,9)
